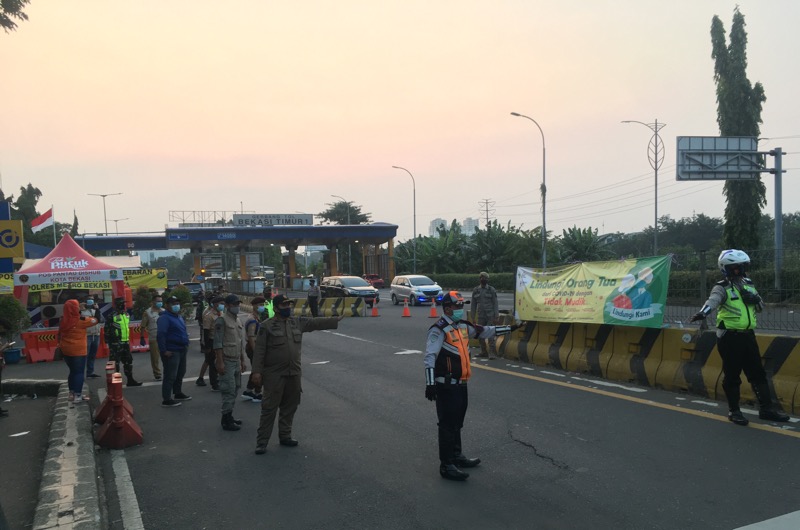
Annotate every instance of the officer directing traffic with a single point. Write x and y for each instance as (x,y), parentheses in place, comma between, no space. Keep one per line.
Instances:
(737,301)
(447,370)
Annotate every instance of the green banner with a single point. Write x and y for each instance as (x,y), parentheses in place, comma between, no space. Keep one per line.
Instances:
(626,293)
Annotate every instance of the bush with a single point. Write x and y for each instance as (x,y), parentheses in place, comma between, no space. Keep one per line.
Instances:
(12,312)
(185,297)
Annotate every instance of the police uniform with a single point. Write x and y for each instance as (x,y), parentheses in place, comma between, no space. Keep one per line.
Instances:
(485,310)
(277,359)
(313,299)
(210,316)
(229,340)
(117,335)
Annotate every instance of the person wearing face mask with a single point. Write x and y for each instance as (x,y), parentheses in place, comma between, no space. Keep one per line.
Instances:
(447,370)
(276,364)
(91,309)
(173,343)
(210,315)
(117,333)
(150,326)
(485,311)
(229,341)
(258,315)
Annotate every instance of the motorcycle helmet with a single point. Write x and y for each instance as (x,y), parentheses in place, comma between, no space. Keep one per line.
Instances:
(733,259)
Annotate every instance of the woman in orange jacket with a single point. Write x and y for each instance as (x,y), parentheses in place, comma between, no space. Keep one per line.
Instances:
(72,340)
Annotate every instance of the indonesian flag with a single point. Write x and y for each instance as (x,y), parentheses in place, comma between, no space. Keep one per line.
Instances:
(43,221)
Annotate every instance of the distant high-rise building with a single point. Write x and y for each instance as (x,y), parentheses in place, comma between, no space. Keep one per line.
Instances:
(469,226)
(435,225)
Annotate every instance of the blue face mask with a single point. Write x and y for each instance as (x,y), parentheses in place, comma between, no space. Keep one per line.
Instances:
(285,312)
(221,308)
(458,314)
(89,303)
(176,308)
(159,304)
(261,309)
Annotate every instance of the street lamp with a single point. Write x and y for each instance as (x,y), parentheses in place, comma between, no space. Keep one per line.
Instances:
(543,189)
(414,185)
(116,222)
(104,195)
(655,155)
(349,262)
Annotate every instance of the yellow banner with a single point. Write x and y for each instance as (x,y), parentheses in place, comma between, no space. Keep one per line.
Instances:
(11,242)
(7,283)
(150,278)
(628,293)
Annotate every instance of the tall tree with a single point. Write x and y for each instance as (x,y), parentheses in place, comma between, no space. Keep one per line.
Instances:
(738,114)
(10,10)
(340,211)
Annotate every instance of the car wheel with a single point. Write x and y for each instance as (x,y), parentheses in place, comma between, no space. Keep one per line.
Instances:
(394,299)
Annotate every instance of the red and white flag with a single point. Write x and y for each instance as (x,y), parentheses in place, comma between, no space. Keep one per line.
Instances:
(43,221)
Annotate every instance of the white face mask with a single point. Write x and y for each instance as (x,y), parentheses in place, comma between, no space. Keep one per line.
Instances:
(234,309)
(176,308)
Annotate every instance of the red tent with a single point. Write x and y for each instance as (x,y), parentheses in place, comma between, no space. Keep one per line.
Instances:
(65,264)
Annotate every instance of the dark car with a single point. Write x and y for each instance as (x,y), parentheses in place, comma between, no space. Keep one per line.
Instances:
(374,280)
(343,286)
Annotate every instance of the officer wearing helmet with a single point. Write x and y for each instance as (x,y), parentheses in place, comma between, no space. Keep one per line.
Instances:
(737,301)
(447,370)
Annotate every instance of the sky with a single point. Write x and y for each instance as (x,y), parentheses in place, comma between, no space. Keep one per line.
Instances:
(272,107)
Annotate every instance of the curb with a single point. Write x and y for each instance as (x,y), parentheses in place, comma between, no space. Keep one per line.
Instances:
(68,492)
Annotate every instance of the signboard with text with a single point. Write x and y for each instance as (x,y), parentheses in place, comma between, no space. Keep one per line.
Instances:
(273,219)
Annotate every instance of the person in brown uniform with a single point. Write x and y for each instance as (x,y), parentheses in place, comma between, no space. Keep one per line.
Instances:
(276,365)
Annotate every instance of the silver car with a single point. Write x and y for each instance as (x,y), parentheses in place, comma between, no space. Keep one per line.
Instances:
(416,288)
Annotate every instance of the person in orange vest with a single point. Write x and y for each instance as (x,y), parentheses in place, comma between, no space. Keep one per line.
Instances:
(72,341)
(447,370)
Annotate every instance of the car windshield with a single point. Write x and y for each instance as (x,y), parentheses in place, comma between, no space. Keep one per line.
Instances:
(420,282)
(354,282)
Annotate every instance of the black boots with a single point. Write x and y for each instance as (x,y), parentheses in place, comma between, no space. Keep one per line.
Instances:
(229,423)
(737,417)
(767,409)
(451,472)
(131,380)
(463,461)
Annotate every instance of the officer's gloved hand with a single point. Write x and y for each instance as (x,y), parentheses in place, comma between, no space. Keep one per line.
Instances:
(141,341)
(515,327)
(750,298)
(430,392)
(698,316)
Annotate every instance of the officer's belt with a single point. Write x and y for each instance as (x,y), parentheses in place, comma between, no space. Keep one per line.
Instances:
(452,381)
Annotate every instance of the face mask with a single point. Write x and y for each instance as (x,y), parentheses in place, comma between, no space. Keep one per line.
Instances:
(159,304)
(234,309)
(89,303)
(176,308)
(261,309)
(120,307)
(221,308)
(285,312)
(458,314)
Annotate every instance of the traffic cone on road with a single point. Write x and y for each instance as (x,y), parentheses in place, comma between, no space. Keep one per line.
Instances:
(375,309)
(406,312)
(433,314)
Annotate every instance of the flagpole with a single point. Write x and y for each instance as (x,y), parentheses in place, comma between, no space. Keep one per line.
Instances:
(54,225)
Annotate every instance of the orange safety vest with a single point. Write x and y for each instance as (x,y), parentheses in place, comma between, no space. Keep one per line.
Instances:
(453,358)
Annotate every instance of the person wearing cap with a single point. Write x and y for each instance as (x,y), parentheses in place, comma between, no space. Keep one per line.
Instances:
(485,311)
(210,315)
(313,297)
(173,343)
(117,333)
(257,316)
(229,340)
(276,365)
(447,370)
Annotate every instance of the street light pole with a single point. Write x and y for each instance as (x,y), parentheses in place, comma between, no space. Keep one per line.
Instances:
(116,223)
(349,261)
(104,195)
(655,155)
(414,187)
(543,190)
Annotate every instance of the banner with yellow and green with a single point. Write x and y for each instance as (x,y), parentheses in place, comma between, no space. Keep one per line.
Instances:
(624,292)
(134,278)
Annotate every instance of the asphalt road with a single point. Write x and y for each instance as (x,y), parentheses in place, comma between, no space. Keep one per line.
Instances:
(559,450)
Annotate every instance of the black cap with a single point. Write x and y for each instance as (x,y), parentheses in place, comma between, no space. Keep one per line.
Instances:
(452,298)
(232,299)
(217,299)
(282,299)
(257,300)
(119,299)
(172,299)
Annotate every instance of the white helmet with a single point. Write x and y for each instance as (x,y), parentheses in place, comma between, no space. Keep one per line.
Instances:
(730,258)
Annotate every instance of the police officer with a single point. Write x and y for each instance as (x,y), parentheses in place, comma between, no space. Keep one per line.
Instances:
(447,370)
(228,345)
(117,335)
(313,297)
(485,311)
(210,316)
(268,305)
(276,364)
(737,301)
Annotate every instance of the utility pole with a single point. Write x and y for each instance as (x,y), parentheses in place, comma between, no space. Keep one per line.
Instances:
(485,205)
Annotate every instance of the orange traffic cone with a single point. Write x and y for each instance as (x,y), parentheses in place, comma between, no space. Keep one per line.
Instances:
(375,309)
(406,312)
(433,311)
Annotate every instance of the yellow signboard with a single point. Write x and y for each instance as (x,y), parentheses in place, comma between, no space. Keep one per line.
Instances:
(11,243)
(150,278)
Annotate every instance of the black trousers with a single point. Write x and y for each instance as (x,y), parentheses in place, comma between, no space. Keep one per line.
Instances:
(313,305)
(451,408)
(739,352)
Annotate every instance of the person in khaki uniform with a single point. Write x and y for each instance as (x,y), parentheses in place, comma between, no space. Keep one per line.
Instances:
(276,364)
(485,312)
(150,328)
(229,340)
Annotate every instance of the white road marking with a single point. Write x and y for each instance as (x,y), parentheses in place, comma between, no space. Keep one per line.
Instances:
(407,352)
(552,373)
(790,521)
(320,362)
(607,383)
(707,403)
(18,434)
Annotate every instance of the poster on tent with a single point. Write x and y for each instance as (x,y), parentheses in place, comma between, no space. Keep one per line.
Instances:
(76,275)
(625,293)
(149,278)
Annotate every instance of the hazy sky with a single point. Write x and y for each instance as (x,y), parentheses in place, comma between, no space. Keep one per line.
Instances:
(274,106)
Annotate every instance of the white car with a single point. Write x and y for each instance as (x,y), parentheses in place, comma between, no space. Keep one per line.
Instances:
(416,288)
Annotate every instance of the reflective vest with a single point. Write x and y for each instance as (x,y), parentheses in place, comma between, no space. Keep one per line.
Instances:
(122,322)
(734,313)
(453,358)
(270,309)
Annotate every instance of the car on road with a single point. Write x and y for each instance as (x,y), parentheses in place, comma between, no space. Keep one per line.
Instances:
(374,280)
(343,286)
(418,289)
